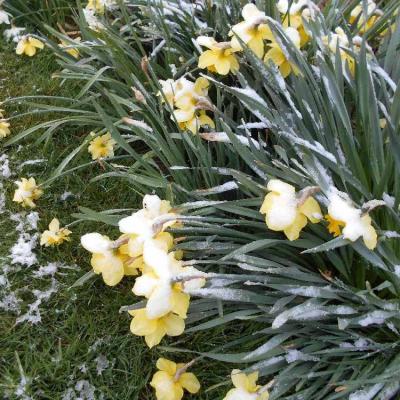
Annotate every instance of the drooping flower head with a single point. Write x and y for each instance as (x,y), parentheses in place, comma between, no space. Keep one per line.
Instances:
(108,259)
(246,387)
(28,45)
(102,146)
(219,58)
(169,382)
(54,235)
(252,31)
(27,192)
(155,329)
(356,223)
(284,211)
(278,56)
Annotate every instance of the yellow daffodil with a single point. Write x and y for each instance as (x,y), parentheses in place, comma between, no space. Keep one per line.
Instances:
(170,380)
(158,284)
(278,57)
(191,99)
(70,49)
(4,128)
(246,387)
(219,58)
(284,211)
(97,6)
(340,41)
(102,147)
(28,45)
(252,31)
(356,224)
(105,258)
(192,121)
(155,329)
(153,218)
(27,192)
(293,17)
(365,17)
(54,235)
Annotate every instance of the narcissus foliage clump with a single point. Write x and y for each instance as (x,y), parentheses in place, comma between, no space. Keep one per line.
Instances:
(282,223)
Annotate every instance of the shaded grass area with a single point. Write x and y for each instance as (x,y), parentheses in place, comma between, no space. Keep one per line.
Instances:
(79,327)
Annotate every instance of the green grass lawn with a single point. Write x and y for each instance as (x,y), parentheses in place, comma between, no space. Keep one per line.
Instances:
(82,342)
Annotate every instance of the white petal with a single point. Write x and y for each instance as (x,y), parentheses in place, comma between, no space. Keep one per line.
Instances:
(159,303)
(145,285)
(157,259)
(137,224)
(95,243)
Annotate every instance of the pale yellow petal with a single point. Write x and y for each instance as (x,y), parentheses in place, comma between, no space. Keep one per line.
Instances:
(292,232)
(311,209)
(239,379)
(189,382)
(174,325)
(167,366)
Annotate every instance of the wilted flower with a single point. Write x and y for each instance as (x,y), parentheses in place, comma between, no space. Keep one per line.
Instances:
(102,146)
(219,58)
(27,192)
(277,55)
(155,329)
(252,31)
(28,45)
(286,212)
(246,387)
(171,379)
(356,223)
(54,235)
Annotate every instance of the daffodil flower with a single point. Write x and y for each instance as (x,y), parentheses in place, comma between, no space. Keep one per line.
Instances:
(246,387)
(284,211)
(4,128)
(338,41)
(54,235)
(277,55)
(191,101)
(252,31)
(144,223)
(169,383)
(28,45)
(102,146)
(97,6)
(157,285)
(107,259)
(14,33)
(155,329)
(219,58)
(365,18)
(293,16)
(27,192)
(356,224)
(70,49)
